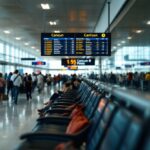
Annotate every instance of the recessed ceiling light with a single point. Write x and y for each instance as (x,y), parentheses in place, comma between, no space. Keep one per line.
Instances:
(45,6)
(138,31)
(123,42)
(32,47)
(148,22)
(18,38)
(118,44)
(57,31)
(7,32)
(129,37)
(26,43)
(52,22)
(114,47)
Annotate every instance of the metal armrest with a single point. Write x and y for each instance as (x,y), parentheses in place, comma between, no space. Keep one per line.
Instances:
(48,136)
(63,104)
(58,137)
(58,110)
(54,120)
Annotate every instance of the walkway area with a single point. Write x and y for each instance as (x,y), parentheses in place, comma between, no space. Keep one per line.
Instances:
(18,119)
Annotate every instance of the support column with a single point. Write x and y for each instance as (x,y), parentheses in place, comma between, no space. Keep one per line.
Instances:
(100,65)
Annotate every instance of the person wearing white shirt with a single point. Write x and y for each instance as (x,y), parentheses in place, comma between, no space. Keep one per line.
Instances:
(40,82)
(34,81)
(17,81)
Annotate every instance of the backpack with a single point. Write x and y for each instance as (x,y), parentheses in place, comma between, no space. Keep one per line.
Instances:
(2,83)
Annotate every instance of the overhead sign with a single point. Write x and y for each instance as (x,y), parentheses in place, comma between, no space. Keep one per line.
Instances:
(78,61)
(118,68)
(38,63)
(27,58)
(145,64)
(72,67)
(128,66)
(75,44)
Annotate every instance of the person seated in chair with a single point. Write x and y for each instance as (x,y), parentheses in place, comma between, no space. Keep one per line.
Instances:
(66,88)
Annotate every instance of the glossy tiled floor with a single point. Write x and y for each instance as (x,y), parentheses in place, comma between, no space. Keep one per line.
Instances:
(18,119)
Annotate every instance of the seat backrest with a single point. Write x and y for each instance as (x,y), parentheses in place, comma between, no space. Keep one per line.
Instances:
(88,98)
(147,143)
(145,139)
(82,88)
(133,135)
(92,108)
(97,116)
(104,118)
(85,94)
(117,130)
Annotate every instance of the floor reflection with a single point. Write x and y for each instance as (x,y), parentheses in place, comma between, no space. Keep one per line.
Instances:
(18,119)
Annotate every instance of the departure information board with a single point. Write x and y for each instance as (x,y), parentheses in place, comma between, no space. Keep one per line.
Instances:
(77,61)
(75,44)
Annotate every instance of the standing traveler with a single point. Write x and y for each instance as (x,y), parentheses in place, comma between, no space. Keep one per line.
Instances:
(2,87)
(17,81)
(49,81)
(9,84)
(40,82)
(28,86)
(34,81)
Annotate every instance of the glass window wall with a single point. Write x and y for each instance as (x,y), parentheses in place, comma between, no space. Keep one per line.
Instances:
(129,59)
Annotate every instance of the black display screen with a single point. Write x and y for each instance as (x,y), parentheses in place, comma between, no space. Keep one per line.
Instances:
(77,61)
(75,44)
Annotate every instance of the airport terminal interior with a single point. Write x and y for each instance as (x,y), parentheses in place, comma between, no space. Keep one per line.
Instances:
(74,75)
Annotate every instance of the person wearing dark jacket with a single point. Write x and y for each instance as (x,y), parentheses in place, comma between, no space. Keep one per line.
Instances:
(28,86)
(9,84)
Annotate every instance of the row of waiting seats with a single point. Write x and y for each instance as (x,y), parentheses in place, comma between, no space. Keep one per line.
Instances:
(91,119)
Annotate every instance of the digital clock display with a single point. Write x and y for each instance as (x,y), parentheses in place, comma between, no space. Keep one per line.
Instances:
(78,61)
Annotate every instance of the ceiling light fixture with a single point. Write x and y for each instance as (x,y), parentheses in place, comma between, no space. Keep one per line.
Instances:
(148,22)
(57,31)
(45,6)
(7,32)
(18,38)
(129,37)
(123,42)
(52,22)
(26,43)
(32,47)
(138,31)
(119,44)
(114,47)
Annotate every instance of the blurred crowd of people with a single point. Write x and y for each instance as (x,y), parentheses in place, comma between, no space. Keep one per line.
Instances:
(14,83)
(127,79)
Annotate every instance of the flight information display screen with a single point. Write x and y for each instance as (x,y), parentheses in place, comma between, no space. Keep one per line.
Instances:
(77,61)
(75,44)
